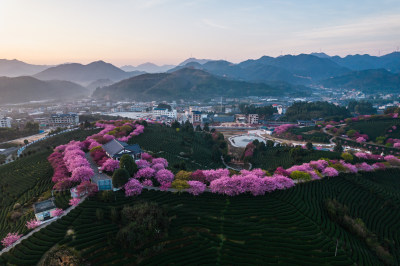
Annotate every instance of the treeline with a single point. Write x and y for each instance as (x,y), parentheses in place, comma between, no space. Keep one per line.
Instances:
(262,111)
(361,107)
(315,110)
(7,134)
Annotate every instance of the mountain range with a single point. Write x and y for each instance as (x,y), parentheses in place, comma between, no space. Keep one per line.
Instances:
(25,89)
(189,83)
(16,68)
(371,80)
(148,67)
(363,72)
(85,74)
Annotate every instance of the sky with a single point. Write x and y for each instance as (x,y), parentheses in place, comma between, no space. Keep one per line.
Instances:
(131,32)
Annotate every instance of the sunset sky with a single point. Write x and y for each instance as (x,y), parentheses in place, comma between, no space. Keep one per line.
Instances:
(169,31)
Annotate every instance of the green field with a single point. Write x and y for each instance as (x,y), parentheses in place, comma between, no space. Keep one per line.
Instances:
(376,128)
(280,156)
(177,147)
(21,182)
(28,178)
(63,138)
(311,134)
(285,227)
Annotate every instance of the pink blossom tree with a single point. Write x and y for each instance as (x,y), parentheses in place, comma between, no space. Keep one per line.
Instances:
(110,165)
(133,187)
(10,239)
(161,161)
(57,212)
(164,176)
(74,202)
(145,173)
(196,187)
(142,164)
(330,171)
(81,174)
(31,224)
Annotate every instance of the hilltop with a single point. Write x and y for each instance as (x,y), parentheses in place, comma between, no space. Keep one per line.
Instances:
(85,74)
(187,83)
(24,89)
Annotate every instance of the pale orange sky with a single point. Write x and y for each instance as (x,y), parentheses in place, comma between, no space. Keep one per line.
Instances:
(169,31)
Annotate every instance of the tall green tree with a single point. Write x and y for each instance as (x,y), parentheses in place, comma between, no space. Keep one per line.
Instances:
(120,177)
(128,163)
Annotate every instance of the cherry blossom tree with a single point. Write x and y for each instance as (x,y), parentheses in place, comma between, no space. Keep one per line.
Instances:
(87,187)
(142,164)
(32,224)
(164,177)
(196,187)
(145,173)
(162,161)
(110,165)
(74,202)
(57,212)
(330,171)
(10,239)
(133,187)
(81,174)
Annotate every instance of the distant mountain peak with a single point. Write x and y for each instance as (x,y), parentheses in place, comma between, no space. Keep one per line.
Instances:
(320,55)
(192,59)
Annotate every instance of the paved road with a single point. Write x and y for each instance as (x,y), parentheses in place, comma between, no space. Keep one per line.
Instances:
(94,166)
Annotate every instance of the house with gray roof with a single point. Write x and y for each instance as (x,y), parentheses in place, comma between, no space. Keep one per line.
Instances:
(115,149)
(44,210)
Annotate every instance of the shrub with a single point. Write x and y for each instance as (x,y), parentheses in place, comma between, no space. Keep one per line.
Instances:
(183,175)
(299,175)
(347,156)
(180,184)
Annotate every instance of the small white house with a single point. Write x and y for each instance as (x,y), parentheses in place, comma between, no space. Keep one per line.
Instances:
(44,210)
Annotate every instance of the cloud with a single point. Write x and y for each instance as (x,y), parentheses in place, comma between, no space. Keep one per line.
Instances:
(213,24)
(366,27)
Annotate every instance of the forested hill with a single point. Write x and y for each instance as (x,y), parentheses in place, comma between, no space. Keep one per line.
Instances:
(315,110)
(24,89)
(372,80)
(190,83)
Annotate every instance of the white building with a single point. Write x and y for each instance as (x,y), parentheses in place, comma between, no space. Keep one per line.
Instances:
(64,119)
(5,122)
(164,111)
(252,119)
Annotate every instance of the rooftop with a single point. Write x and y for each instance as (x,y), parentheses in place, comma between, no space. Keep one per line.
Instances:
(44,206)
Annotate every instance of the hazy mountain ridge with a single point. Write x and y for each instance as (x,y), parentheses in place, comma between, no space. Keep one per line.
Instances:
(366,80)
(390,62)
(186,83)
(85,74)
(16,68)
(148,67)
(25,89)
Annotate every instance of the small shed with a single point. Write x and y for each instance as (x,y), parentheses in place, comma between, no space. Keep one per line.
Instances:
(102,181)
(44,209)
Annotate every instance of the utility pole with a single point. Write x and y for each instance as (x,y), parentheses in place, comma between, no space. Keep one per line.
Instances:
(337,243)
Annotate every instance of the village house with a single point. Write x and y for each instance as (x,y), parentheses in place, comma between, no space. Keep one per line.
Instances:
(115,149)
(44,210)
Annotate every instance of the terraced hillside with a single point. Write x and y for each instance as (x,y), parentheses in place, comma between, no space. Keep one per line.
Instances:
(284,227)
(177,147)
(25,180)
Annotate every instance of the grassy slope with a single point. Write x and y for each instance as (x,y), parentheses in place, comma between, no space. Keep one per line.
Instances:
(275,157)
(24,180)
(376,128)
(284,227)
(167,143)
